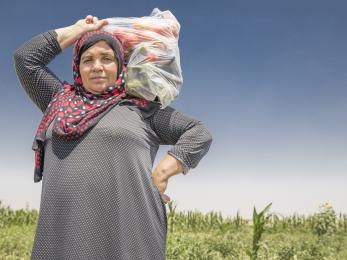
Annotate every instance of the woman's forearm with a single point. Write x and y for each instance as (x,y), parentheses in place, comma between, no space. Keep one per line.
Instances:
(68,35)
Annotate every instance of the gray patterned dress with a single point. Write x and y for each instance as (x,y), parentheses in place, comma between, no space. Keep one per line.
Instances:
(98,200)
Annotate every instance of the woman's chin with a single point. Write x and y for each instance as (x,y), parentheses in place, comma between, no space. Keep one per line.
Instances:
(97,89)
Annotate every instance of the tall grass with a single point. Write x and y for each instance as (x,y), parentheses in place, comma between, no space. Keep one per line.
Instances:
(195,235)
(21,217)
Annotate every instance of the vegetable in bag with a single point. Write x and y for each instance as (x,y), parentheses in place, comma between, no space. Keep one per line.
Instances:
(152,55)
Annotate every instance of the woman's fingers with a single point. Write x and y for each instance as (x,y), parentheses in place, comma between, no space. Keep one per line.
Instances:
(89,19)
(104,22)
(165,198)
(94,20)
(101,23)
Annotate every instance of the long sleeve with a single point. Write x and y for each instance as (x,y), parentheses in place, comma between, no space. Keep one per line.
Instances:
(190,138)
(31,61)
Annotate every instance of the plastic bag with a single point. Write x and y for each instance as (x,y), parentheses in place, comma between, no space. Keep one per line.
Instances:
(152,55)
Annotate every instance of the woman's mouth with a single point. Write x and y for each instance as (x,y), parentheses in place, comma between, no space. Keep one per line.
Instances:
(98,78)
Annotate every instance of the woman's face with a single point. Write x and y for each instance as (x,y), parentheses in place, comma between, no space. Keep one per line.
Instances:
(98,67)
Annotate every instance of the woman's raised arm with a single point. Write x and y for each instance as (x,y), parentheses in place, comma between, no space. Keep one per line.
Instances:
(31,59)
(68,35)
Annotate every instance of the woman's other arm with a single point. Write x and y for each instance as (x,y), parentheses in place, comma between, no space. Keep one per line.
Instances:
(190,139)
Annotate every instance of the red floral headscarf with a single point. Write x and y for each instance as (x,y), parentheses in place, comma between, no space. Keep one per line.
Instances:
(73,110)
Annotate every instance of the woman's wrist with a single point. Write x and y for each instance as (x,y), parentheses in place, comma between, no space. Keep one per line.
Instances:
(176,168)
(168,167)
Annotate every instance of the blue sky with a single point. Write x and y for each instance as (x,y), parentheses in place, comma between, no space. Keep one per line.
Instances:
(268,78)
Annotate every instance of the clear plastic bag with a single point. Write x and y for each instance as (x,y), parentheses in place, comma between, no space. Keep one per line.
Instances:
(152,55)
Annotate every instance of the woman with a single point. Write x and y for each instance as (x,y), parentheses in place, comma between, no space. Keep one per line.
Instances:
(95,148)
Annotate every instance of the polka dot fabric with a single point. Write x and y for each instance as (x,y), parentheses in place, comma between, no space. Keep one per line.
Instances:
(98,200)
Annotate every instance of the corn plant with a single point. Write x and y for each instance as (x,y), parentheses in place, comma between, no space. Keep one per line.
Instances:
(172,214)
(259,221)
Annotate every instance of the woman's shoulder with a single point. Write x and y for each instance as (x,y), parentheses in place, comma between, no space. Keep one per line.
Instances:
(170,116)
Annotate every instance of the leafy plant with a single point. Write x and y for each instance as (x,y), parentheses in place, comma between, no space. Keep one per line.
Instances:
(325,220)
(259,221)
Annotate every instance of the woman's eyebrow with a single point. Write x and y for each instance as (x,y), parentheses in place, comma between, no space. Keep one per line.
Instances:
(86,56)
(107,52)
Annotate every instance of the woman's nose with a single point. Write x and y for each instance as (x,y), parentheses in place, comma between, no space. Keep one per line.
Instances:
(97,65)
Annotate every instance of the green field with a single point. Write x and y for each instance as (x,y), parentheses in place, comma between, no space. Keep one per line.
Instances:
(193,235)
